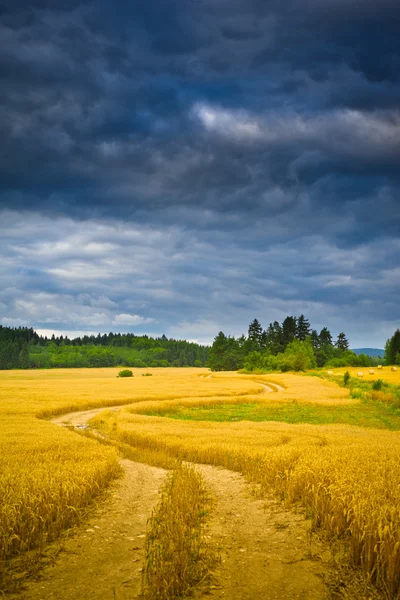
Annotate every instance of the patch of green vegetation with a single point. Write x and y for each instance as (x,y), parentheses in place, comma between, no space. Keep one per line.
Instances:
(364,390)
(364,414)
(125,373)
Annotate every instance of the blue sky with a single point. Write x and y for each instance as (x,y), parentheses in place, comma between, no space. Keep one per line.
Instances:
(183,167)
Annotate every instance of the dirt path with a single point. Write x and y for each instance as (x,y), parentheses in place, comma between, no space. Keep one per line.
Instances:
(271,387)
(103,559)
(265,551)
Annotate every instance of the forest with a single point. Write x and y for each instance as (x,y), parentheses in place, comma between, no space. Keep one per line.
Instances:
(291,346)
(288,346)
(23,348)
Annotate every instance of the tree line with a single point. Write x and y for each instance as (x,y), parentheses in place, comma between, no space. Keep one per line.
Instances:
(290,345)
(392,349)
(23,348)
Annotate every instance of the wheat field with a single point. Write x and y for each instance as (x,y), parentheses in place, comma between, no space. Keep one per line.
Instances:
(48,474)
(370,373)
(346,477)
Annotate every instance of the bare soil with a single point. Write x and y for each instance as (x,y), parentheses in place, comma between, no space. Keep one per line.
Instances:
(265,551)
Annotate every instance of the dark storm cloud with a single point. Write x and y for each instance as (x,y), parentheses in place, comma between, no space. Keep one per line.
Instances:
(102,276)
(247,125)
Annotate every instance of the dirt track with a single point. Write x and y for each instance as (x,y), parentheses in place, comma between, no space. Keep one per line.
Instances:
(265,551)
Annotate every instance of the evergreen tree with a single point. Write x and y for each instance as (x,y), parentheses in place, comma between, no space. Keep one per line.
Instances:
(315,339)
(269,335)
(342,343)
(274,338)
(255,336)
(392,348)
(325,337)
(303,328)
(264,340)
(225,354)
(324,349)
(289,330)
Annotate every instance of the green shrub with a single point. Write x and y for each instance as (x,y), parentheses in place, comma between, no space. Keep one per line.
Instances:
(346,378)
(377,385)
(125,373)
(346,359)
(298,356)
(138,363)
(253,361)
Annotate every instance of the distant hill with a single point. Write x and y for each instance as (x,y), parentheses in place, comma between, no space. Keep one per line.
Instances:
(369,351)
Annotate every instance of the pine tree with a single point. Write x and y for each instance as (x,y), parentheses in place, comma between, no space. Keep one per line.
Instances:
(264,340)
(315,339)
(392,348)
(274,338)
(341,343)
(303,328)
(325,337)
(289,329)
(324,347)
(255,335)
(225,354)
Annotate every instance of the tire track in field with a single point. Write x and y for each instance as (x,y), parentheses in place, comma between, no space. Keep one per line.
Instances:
(103,558)
(266,552)
(270,387)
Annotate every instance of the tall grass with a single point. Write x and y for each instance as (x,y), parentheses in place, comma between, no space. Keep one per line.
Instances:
(47,477)
(177,555)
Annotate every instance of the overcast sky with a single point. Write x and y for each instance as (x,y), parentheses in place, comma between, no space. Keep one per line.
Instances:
(184,166)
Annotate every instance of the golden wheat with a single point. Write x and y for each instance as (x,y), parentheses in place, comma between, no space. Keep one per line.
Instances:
(347,477)
(177,554)
(384,373)
(46,476)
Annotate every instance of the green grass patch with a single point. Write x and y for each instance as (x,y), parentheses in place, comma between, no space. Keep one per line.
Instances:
(364,414)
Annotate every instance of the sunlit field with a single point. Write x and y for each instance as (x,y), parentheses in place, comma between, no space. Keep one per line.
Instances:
(302,436)
(370,373)
(56,391)
(48,474)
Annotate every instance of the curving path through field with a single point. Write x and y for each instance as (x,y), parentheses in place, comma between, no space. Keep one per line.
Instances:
(265,551)
(270,387)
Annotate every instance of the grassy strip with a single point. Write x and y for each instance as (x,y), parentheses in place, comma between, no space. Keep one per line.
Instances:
(366,414)
(177,556)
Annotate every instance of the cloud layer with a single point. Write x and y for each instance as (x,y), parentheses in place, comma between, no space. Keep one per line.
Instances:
(185,167)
